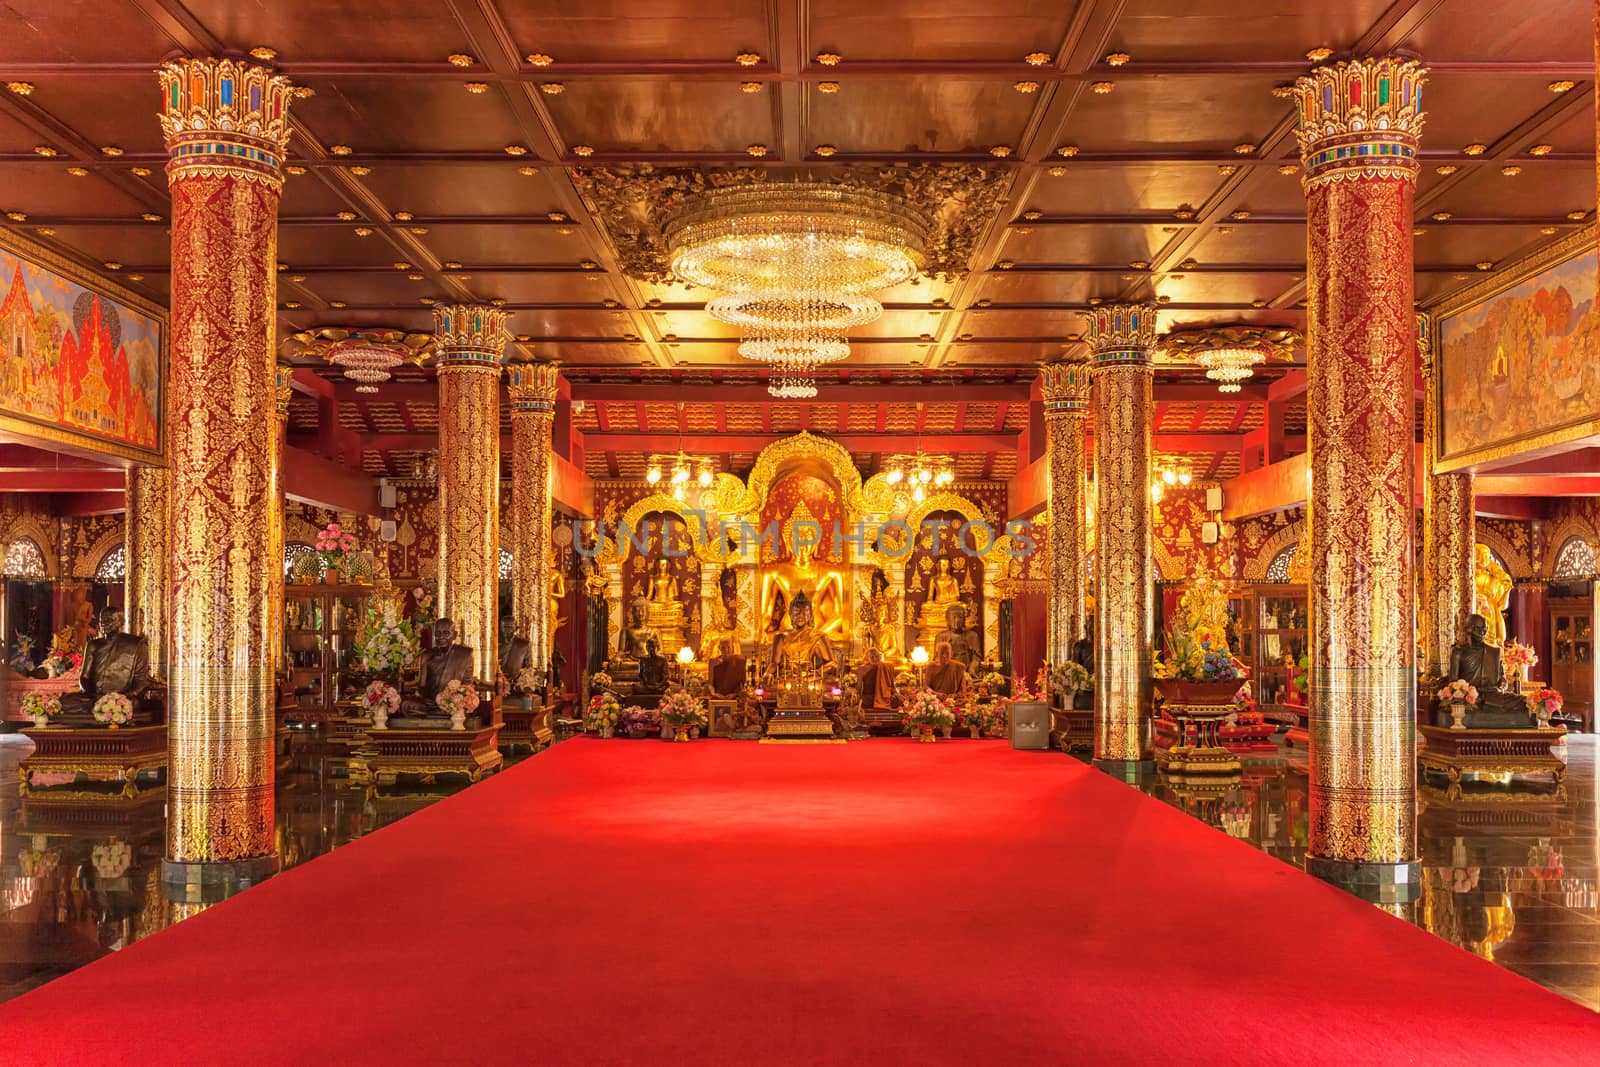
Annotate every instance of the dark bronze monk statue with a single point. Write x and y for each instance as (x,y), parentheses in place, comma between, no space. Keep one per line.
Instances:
(114,662)
(445,662)
(1478,664)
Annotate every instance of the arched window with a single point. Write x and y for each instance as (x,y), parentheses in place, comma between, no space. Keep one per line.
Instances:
(507,562)
(1278,569)
(25,559)
(1576,559)
(113,565)
(293,553)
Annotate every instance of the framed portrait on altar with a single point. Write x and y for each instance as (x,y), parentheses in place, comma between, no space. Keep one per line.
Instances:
(1518,357)
(716,709)
(83,362)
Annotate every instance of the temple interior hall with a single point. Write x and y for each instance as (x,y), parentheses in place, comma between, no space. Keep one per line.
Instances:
(797,532)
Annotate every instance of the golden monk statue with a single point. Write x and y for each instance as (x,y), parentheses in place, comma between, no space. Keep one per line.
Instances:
(944,592)
(664,611)
(802,648)
(1492,594)
(785,580)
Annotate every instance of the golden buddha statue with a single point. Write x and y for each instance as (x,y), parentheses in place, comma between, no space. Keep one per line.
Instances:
(723,627)
(1492,594)
(664,611)
(880,615)
(944,593)
(558,593)
(783,581)
(802,649)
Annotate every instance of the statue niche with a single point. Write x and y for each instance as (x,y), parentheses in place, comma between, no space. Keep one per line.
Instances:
(1477,663)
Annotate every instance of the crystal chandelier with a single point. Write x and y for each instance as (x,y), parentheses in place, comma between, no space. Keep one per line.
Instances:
(1169,472)
(365,354)
(1230,366)
(679,470)
(920,473)
(795,264)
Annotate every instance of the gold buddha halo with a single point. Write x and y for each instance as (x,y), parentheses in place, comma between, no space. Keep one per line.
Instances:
(533,389)
(469,341)
(1121,337)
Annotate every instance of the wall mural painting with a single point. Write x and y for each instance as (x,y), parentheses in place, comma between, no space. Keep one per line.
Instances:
(1518,362)
(77,362)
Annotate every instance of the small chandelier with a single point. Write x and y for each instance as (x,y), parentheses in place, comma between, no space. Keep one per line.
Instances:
(1230,366)
(1230,354)
(1169,473)
(679,470)
(366,355)
(795,263)
(920,472)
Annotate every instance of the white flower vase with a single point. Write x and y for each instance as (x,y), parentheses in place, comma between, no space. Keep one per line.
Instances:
(458,719)
(1542,716)
(380,719)
(41,721)
(1458,716)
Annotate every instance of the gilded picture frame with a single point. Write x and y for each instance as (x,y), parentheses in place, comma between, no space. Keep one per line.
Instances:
(1448,315)
(42,259)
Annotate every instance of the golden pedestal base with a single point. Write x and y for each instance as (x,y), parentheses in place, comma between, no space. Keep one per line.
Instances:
(525,728)
(1188,742)
(126,762)
(799,723)
(1072,729)
(383,756)
(1512,753)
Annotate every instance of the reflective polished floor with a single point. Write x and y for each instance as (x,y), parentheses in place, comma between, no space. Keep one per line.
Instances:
(1512,875)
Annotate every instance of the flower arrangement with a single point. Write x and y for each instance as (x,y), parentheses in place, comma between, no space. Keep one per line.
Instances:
(983,717)
(40,708)
(333,544)
(1244,699)
(639,722)
(1197,643)
(600,680)
(113,709)
(1518,657)
(1458,692)
(381,698)
(111,860)
(422,610)
(1020,693)
(1070,677)
(458,701)
(386,643)
(1547,701)
(927,708)
(682,709)
(61,658)
(604,711)
(995,682)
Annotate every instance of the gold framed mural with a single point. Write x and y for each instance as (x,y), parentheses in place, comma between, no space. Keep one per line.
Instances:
(1519,357)
(83,362)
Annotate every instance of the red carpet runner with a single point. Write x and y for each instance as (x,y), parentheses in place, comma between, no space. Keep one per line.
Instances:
(722,903)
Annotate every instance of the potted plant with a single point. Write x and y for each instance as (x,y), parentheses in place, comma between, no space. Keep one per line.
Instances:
(1198,668)
(927,712)
(458,701)
(40,708)
(333,545)
(381,701)
(113,709)
(681,709)
(1543,705)
(639,722)
(604,712)
(1458,694)
(1519,660)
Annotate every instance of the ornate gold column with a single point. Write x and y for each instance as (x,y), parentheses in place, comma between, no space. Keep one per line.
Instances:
(533,388)
(226,129)
(1122,336)
(1066,411)
(1449,530)
(282,377)
(469,341)
(148,548)
(1359,124)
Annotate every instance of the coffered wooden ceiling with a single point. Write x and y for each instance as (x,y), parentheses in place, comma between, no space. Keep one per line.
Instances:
(1148,153)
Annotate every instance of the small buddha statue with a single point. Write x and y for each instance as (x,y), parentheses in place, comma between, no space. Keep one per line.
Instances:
(724,629)
(652,670)
(631,644)
(802,647)
(962,641)
(664,610)
(558,593)
(1477,663)
(114,662)
(445,662)
(944,592)
(883,620)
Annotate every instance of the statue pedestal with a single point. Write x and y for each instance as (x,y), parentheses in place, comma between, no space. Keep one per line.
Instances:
(1071,727)
(1188,733)
(1458,755)
(94,762)
(527,726)
(425,754)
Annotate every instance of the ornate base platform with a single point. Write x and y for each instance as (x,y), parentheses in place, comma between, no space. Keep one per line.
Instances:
(94,762)
(799,723)
(16,687)
(1455,754)
(1189,743)
(1072,729)
(425,755)
(526,728)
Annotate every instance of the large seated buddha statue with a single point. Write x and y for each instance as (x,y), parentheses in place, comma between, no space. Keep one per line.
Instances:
(442,664)
(962,641)
(114,662)
(802,648)
(1477,663)
(664,609)
(944,593)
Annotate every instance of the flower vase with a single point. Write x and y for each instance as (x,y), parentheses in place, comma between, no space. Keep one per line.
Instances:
(1542,715)
(974,732)
(380,719)
(458,719)
(680,732)
(330,576)
(945,731)
(608,731)
(41,721)
(925,733)
(1458,716)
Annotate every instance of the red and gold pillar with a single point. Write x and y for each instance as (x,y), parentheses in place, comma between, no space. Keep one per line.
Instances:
(226,128)
(1359,127)
(283,391)
(1122,337)
(1449,531)
(469,340)
(1066,411)
(533,388)
(147,547)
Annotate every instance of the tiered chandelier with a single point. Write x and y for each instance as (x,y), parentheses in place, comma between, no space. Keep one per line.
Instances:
(365,362)
(1228,367)
(920,473)
(679,470)
(796,264)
